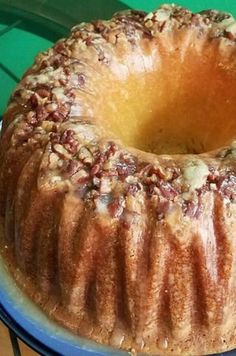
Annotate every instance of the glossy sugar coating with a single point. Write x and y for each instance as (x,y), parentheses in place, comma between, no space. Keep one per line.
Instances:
(131,249)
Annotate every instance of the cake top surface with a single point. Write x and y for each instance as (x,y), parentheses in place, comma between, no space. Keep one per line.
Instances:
(78,153)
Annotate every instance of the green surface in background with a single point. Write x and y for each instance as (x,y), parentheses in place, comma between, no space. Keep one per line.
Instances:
(197,5)
(43,22)
(19,48)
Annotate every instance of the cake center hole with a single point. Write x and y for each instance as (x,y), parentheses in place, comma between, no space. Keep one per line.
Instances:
(187,108)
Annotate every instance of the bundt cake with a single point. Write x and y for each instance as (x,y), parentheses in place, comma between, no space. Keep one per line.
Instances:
(118,181)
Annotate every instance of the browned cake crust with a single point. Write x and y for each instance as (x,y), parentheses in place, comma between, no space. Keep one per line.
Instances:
(128,248)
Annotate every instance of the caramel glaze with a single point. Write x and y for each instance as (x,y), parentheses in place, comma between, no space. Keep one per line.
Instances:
(127,248)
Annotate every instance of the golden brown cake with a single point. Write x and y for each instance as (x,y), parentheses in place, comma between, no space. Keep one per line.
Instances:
(118,181)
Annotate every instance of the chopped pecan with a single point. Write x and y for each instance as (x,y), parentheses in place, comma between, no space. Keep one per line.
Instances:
(115,208)
(81,177)
(70,167)
(51,107)
(31,118)
(132,189)
(85,155)
(41,113)
(61,150)
(61,113)
(95,169)
(167,190)
(44,93)
(226,185)
(34,102)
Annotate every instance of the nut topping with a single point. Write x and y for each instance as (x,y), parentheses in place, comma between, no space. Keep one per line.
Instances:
(59,89)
